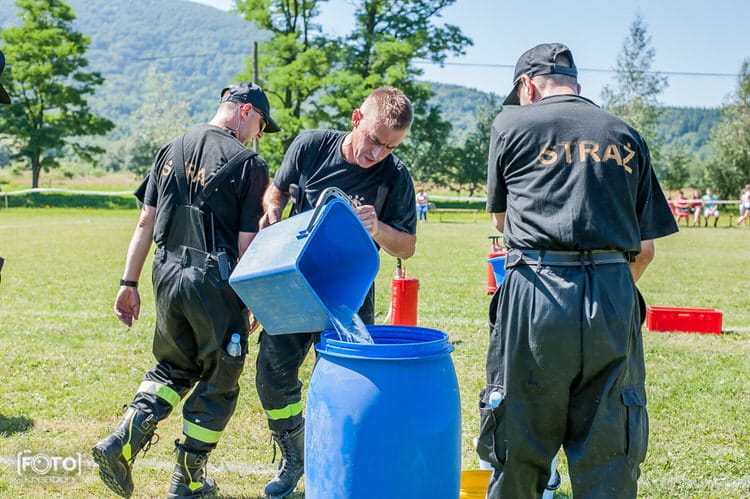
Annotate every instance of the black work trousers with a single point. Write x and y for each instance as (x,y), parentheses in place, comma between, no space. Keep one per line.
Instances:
(196,315)
(566,353)
(277,367)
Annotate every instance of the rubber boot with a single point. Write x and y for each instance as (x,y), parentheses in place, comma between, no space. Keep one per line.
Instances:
(116,453)
(188,478)
(292,465)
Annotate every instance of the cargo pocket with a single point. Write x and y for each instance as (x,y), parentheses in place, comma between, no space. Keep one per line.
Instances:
(634,400)
(226,378)
(491,441)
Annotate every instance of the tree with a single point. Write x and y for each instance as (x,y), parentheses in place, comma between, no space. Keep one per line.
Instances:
(470,166)
(676,169)
(729,167)
(388,37)
(49,109)
(293,64)
(317,80)
(159,118)
(635,99)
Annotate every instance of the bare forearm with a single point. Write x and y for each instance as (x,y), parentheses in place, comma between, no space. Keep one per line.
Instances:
(643,259)
(140,244)
(498,220)
(274,202)
(243,241)
(395,242)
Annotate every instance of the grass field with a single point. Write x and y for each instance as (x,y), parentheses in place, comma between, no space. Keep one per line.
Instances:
(68,365)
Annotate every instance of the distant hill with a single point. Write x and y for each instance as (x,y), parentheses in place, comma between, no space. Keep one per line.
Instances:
(202,48)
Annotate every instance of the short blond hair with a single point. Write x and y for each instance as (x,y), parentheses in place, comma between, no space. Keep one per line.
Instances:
(391,106)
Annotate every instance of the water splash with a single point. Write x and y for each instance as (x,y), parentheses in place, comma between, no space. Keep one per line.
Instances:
(350,326)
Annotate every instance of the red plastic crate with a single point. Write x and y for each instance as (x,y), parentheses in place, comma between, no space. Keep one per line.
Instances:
(690,320)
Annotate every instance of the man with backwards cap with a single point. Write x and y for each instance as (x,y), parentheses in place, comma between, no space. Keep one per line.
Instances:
(202,205)
(574,193)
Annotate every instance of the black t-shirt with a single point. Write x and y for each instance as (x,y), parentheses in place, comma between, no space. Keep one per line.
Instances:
(236,203)
(570,176)
(315,161)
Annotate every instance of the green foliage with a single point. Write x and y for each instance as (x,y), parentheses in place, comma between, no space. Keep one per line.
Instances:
(293,65)
(387,37)
(687,128)
(49,86)
(675,173)
(317,80)
(459,106)
(730,167)
(635,97)
(470,168)
(191,51)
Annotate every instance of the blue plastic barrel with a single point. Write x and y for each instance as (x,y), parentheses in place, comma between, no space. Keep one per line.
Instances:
(384,419)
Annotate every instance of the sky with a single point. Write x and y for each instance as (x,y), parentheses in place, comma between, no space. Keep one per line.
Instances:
(699,45)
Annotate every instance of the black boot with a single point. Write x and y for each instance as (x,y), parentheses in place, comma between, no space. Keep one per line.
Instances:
(116,453)
(292,465)
(188,479)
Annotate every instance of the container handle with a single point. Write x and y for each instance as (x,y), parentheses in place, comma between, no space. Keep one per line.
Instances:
(327,194)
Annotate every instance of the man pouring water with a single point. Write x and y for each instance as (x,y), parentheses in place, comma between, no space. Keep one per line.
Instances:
(361,164)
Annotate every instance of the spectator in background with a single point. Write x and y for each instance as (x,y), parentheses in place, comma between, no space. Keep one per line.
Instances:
(422,205)
(695,207)
(744,205)
(710,207)
(681,208)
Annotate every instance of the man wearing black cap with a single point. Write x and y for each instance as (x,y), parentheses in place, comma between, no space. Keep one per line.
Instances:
(202,204)
(574,193)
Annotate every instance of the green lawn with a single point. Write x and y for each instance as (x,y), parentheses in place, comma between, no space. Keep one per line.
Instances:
(69,365)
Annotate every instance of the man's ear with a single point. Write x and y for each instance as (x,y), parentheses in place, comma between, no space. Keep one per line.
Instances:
(356,117)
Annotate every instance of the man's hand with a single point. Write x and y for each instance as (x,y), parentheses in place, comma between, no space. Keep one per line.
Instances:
(127,305)
(270,217)
(369,218)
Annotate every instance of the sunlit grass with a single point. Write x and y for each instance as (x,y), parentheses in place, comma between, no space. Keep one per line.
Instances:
(69,366)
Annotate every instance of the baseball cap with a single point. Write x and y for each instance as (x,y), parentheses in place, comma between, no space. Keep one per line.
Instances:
(247,92)
(4,99)
(541,60)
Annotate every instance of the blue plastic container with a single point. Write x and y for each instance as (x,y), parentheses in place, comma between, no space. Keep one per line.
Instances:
(297,272)
(384,420)
(498,268)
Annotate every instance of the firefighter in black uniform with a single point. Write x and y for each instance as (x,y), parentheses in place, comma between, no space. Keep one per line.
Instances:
(202,204)
(574,193)
(359,163)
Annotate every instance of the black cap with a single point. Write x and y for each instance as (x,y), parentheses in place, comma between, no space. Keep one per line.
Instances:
(4,99)
(541,60)
(247,92)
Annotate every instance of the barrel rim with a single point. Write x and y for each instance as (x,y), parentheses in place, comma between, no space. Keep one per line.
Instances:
(436,344)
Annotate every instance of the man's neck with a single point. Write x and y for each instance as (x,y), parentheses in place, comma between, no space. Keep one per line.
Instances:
(347,150)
